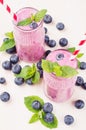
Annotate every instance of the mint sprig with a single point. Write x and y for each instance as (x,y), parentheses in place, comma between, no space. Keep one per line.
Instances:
(9,43)
(39,114)
(29,100)
(72,49)
(59,71)
(34,17)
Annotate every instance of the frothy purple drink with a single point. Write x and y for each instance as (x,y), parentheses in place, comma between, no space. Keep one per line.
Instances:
(60,89)
(29,42)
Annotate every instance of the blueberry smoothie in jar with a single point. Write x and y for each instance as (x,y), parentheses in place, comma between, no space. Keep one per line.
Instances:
(57,88)
(29,39)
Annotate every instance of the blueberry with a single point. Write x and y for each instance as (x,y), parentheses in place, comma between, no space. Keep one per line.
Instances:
(5,96)
(60,26)
(46,39)
(16,69)
(7,65)
(5,39)
(36,105)
(19,81)
(68,119)
(52,43)
(45,29)
(33,25)
(2,80)
(29,81)
(47,107)
(14,59)
(39,65)
(63,42)
(59,56)
(79,104)
(11,50)
(41,73)
(49,117)
(84,86)
(47,19)
(83,65)
(79,81)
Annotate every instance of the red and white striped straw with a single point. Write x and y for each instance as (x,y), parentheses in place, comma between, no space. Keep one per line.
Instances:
(82,42)
(8,9)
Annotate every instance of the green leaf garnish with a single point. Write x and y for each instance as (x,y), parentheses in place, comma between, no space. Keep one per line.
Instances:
(9,35)
(25,22)
(36,77)
(34,118)
(68,71)
(72,49)
(7,44)
(40,15)
(61,71)
(79,63)
(54,124)
(79,55)
(29,100)
(36,17)
(27,72)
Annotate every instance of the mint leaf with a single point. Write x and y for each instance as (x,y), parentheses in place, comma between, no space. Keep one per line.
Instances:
(68,71)
(9,35)
(72,49)
(27,72)
(54,124)
(24,22)
(29,100)
(36,77)
(34,118)
(47,66)
(79,63)
(7,44)
(57,69)
(40,15)
(79,55)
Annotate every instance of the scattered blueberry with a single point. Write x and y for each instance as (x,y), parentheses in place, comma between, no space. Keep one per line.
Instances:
(11,50)
(7,65)
(49,117)
(36,105)
(47,107)
(82,65)
(45,29)
(79,81)
(46,53)
(52,43)
(29,81)
(5,96)
(60,26)
(79,104)
(41,73)
(2,80)
(84,86)
(68,119)
(5,39)
(47,19)
(59,56)
(39,65)
(16,69)
(19,81)
(63,42)
(46,39)
(14,59)
(33,25)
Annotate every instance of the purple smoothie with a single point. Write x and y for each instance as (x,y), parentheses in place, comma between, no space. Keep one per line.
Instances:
(60,89)
(29,42)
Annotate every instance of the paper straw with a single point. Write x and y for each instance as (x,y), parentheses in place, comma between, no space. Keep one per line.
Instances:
(82,42)
(8,9)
